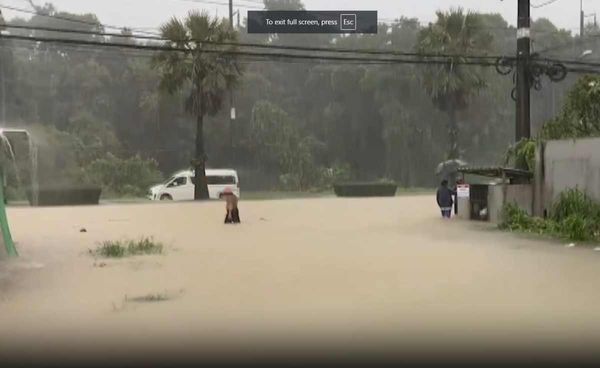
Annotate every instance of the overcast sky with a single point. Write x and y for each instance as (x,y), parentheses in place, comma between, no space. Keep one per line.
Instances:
(151,13)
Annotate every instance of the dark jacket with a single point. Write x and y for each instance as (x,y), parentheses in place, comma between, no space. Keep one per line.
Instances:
(444,197)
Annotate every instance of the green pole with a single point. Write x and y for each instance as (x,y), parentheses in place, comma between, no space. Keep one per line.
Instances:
(6,236)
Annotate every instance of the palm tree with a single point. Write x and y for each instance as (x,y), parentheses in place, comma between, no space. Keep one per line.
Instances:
(206,67)
(450,85)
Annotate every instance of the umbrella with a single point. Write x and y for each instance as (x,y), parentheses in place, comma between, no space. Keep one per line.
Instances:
(448,167)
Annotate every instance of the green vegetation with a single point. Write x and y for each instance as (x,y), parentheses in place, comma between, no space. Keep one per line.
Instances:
(451,86)
(129,177)
(580,116)
(522,155)
(210,75)
(98,112)
(150,298)
(124,248)
(574,216)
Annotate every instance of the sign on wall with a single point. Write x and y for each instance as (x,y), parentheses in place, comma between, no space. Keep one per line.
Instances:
(463,191)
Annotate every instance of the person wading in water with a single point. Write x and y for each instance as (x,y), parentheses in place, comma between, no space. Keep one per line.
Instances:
(231,206)
(444,199)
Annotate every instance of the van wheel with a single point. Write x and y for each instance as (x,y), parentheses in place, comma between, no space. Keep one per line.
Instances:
(166,197)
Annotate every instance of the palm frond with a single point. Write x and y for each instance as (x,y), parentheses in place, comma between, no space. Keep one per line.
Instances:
(175,32)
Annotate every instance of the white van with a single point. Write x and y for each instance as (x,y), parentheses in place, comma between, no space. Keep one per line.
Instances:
(180,187)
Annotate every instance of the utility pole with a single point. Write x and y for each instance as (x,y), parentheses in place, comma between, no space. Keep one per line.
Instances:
(231,104)
(581,19)
(523,123)
(2,74)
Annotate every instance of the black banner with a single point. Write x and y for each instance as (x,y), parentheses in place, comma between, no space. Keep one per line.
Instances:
(280,21)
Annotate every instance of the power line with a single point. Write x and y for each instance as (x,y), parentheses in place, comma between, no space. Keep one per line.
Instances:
(257,45)
(467,60)
(73,20)
(112,54)
(213,2)
(537,6)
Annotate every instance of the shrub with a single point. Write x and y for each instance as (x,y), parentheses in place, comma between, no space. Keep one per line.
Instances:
(580,116)
(577,227)
(111,249)
(574,216)
(130,176)
(514,218)
(522,155)
(574,202)
(123,248)
(144,246)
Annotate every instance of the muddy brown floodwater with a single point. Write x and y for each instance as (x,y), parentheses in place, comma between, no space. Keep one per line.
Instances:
(313,276)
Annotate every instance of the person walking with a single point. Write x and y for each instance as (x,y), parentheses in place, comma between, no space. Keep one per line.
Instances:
(444,199)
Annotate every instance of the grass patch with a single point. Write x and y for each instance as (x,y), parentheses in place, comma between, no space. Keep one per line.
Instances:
(124,248)
(574,216)
(150,298)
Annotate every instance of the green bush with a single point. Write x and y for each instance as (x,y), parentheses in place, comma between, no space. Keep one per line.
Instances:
(580,116)
(125,177)
(574,202)
(515,219)
(110,250)
(123,248)
(144,246)
(577,227)
(574,216)
(522,155)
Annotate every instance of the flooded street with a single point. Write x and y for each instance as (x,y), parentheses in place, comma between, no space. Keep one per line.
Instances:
(361,275)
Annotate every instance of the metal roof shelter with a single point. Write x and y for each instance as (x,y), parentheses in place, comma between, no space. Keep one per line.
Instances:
(513,175)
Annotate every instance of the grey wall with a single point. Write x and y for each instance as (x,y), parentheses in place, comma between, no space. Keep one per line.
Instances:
(571,164)
(499,195)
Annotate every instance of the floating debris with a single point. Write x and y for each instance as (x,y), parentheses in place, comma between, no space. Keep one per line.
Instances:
(83,230)
(571,245)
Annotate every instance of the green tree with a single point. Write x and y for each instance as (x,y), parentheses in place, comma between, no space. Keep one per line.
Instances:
(207,73)
(279,146)
(580,116)
(450,85)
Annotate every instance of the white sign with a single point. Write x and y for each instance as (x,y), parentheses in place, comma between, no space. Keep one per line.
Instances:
(463,191)
(523,33)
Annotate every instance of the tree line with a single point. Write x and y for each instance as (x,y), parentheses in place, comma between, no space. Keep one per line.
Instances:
(116,117)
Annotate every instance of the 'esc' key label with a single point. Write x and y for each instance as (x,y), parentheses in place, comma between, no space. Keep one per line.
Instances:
(348,22)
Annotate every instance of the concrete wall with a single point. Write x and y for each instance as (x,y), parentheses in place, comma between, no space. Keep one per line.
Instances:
(571,164)
(464,209)
(498,195)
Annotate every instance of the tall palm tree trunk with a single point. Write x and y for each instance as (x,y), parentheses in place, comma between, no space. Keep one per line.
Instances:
(453,152)
(200,183)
